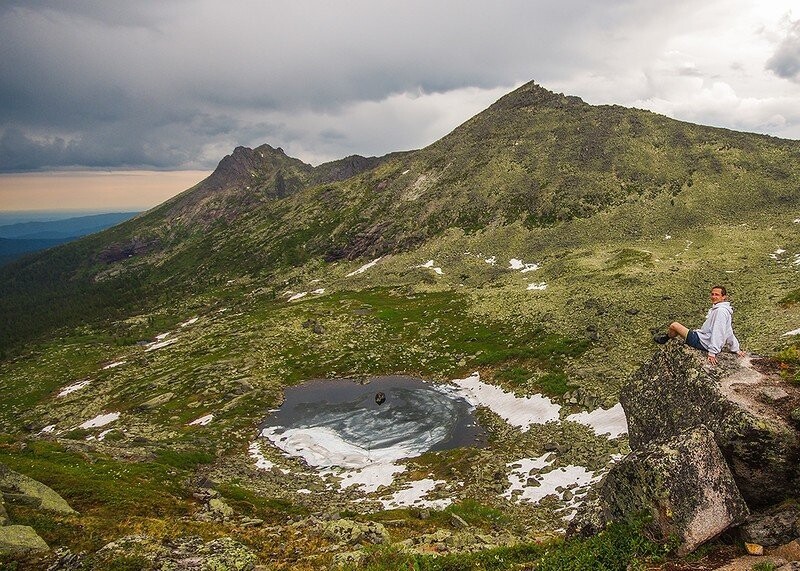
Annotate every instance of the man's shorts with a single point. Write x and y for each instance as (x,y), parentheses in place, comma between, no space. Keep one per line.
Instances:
(693,340)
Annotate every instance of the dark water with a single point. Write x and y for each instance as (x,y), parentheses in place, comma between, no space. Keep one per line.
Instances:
(415,416)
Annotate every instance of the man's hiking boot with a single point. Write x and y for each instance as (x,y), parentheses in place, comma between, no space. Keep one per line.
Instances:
(661,338)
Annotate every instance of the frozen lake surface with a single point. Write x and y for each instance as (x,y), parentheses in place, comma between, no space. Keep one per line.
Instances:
(339,423)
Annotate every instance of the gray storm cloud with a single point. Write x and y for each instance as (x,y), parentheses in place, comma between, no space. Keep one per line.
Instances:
(177,84)
(786,61)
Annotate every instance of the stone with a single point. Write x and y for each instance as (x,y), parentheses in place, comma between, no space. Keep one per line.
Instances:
(156,401)
(19,539)
(227,554)
(353,532)
(773,394)
(789,551)
(458,522)
(219,507)
(754,548)
(683,483)
(28,490)
(349,559)
(775,527)
(675,391)
(3,513)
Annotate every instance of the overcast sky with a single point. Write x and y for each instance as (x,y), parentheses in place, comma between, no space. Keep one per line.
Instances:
(176,84)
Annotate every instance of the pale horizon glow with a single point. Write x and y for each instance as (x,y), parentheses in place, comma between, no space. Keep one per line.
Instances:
(93,190)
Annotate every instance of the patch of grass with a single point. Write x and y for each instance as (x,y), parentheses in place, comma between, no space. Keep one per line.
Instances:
(184,459)
(630,257)
(476,513)
(790,299)
(620,546)
(788,360)
(430,334)
(249,502)
(100,485)
(553,384)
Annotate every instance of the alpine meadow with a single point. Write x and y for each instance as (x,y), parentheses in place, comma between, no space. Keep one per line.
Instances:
(523,262)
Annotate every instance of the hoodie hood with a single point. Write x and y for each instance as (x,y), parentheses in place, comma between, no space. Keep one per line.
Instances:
(724,306)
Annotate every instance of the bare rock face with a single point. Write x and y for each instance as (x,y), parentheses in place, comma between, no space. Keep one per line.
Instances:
(682,482)
(709,445)
(675,391)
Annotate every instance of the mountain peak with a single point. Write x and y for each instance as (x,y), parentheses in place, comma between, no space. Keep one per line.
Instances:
(532,94)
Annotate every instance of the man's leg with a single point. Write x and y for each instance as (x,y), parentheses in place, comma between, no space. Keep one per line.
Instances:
(676,329)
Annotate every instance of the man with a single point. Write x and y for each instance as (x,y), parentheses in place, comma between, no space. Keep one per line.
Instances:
(716,332)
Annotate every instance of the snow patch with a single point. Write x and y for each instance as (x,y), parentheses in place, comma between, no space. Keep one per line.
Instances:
(491,260)
(162,336)
(162,344)
(537,286)
(48,429)
(515,264)
(577,477)
(517,411)
(73,387)
(406,171)
(261,462)
(667,237)
(192,321)
(114,365)
(792,332)
(103,434)
(611,421)
(429,264)
(203,420)
(370,478)
(319,291)
(100,420)
(364,268)
(298,295)
(414,495)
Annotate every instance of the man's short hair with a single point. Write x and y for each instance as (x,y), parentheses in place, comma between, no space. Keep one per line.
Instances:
(721,288)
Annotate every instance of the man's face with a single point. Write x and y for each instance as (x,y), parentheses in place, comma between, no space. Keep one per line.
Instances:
(716,295)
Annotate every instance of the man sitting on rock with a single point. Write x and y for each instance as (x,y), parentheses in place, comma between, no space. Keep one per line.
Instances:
(716,331)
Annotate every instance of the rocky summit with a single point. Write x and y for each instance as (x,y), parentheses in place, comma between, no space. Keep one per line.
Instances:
(520,265)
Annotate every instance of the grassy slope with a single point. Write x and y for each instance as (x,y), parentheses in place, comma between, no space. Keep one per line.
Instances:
(596,217)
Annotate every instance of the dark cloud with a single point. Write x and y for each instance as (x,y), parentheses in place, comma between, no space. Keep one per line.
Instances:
(786,60)
(177,84)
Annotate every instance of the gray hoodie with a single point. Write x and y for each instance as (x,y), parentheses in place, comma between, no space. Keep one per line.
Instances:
(717,331)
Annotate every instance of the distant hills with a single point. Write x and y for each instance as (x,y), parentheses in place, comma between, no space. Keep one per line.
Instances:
(534,160)
(24,237)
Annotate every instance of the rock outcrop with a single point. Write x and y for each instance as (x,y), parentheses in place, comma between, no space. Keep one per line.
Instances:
(676,391)
(708,446)
(16,488)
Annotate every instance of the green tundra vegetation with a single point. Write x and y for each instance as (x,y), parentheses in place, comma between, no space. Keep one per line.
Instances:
(624,218)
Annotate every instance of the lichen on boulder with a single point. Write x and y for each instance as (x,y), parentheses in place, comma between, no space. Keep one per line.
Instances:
(682,483)
(22,489)
(20,539)
(676,391)
(705,450)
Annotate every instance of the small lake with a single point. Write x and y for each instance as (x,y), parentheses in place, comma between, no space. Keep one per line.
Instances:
(340,422)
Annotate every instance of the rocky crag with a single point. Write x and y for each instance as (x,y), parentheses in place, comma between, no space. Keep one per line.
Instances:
(712,449)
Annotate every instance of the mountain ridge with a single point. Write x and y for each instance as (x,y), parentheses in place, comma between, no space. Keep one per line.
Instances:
(534,157)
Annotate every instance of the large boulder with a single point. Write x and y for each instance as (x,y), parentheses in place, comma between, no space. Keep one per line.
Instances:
(682,483)
(19,488)
(676,391)
(20,539)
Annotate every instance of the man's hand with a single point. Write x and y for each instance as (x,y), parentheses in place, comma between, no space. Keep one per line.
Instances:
(712,359)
